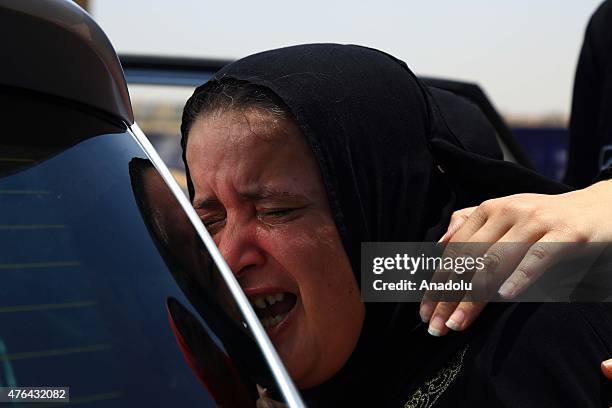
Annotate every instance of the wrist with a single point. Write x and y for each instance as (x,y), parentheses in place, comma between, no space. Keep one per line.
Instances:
(595,203)
(600,188)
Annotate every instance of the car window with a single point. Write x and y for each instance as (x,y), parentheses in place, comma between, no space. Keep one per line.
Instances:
(158,110)
(106,288)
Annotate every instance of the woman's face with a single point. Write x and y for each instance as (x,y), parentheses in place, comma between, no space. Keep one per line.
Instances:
(259,191)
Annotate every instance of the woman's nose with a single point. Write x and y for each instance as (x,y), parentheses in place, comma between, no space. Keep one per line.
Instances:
(239,246)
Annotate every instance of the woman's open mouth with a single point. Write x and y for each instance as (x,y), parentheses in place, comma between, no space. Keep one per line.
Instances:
(272,308)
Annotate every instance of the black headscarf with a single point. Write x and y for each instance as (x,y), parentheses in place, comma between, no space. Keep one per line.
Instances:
(396,158)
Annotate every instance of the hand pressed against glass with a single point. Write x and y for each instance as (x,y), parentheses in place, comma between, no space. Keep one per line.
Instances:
(259,191)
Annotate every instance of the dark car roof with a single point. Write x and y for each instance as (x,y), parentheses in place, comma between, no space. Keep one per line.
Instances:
(55,47)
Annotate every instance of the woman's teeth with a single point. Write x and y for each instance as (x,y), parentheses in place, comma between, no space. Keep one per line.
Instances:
(272,320)
(261,302)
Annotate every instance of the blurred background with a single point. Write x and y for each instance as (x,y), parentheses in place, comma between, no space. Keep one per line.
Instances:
(522,53)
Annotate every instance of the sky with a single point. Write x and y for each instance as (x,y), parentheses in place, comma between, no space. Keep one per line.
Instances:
(522,52)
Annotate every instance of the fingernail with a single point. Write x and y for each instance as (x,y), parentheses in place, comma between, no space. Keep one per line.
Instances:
(507,289)
(443,237)
(606,369)
(456,320)
(425,311)
(435,327)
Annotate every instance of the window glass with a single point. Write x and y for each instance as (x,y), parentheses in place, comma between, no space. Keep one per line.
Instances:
(100,292)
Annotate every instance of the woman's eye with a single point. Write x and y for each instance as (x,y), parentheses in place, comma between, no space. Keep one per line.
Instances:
(277,215)
(213,225)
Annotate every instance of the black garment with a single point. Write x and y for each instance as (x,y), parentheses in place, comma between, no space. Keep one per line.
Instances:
(396,160)
(590,143)
(605,174)
(536,355)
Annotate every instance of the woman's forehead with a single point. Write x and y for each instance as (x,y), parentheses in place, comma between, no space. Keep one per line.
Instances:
(252,128)
(248,147)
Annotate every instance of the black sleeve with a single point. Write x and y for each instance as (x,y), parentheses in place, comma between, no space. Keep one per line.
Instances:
(545,355)
(592,98)
(606,174)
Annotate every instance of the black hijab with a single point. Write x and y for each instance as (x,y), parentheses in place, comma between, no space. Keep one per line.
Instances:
(397,158)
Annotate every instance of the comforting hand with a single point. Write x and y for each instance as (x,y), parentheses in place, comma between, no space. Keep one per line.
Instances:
(579,216)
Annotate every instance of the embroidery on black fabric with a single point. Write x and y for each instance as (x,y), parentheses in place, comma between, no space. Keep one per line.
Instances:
(427,395)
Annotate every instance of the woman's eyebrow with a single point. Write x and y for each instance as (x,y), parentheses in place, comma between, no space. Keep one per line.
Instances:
(254,195)
(266,193)
(206,203)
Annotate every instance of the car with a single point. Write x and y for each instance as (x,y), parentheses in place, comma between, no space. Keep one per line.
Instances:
(93,298)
